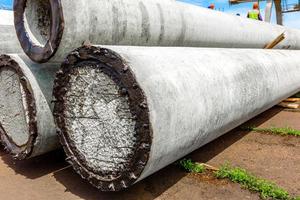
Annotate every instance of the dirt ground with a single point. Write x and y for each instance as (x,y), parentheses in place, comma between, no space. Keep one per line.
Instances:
(273,157)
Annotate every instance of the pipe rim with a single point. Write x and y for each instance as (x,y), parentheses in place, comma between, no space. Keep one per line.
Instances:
(24,151)
(121,73)
(35,51)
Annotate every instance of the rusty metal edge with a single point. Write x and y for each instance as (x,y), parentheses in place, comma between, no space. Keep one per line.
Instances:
(27,149)
(115,67)
(33,51)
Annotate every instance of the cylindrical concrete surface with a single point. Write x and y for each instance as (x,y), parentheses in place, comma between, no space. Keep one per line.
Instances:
(9,42)
(124,113)
(52,28)
(27,126)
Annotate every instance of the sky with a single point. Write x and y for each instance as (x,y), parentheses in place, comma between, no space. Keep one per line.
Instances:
(290,20)
(6,3)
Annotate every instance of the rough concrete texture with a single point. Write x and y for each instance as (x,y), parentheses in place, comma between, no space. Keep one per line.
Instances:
(8,39)
(26,119)
(14,116)
(39,26)
(182,90)
(49,177)
(137,22)
(100,121)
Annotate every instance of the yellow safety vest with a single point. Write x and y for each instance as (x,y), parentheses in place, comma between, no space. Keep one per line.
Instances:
(254,14)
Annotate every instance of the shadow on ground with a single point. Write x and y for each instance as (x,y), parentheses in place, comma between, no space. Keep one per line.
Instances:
(212,149)
(148,189)
(36,167)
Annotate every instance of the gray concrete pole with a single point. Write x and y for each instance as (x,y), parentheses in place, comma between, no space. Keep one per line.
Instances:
(124,114)
(135,22)
(9,42)
(27,126)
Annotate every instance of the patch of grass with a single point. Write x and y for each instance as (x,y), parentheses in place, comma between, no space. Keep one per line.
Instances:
(295,198)
(266,188)
(191,166)
(274,130)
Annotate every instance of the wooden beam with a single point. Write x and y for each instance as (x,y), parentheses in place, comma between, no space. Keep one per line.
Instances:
(289,105)
(292,100)
(276,41)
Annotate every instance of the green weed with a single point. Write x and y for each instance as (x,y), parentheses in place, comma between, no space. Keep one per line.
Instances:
(295,198)
(266,188)
(274,130)
(190,166)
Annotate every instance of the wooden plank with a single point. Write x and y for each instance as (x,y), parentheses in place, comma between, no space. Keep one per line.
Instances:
(292,100)
(276,41)
(289,105)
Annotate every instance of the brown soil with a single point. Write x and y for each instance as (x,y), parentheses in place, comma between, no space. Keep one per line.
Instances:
(49,177)
(273,157)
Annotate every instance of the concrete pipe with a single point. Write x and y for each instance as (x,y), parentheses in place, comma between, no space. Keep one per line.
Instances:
(52,28)
(8,39)
(124,113)
(27,126)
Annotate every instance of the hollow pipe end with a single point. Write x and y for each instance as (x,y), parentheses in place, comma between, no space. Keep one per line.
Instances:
(16,111)
(36,52)
(111,65)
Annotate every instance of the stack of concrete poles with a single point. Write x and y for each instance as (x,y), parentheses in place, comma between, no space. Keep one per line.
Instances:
(124,112)
(27,126)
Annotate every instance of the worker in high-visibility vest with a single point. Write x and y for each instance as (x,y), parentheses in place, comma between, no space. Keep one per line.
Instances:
(255,13)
